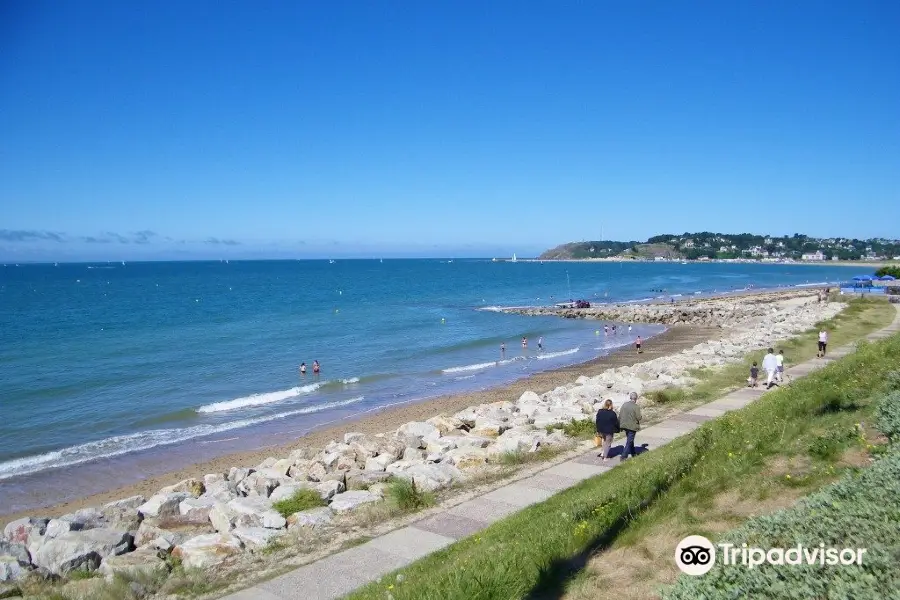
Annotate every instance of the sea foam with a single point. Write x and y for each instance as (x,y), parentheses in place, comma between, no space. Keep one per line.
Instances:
(144,440)
(259,399)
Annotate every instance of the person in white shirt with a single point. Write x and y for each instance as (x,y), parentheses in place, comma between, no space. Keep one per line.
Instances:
(823,342)
(779,361)
(770,366)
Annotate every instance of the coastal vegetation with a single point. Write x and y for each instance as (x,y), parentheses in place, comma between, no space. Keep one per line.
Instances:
(893,271)
(711,245)
(301,500)
(749,461)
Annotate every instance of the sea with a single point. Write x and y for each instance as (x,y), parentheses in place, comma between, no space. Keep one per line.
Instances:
(111,372)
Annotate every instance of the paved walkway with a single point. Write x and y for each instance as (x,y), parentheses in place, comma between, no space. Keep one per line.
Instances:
(341,573)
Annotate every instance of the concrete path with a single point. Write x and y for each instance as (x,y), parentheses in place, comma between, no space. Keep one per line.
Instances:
(341,573)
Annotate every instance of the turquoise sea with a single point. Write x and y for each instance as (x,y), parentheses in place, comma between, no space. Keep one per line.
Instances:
(127,370)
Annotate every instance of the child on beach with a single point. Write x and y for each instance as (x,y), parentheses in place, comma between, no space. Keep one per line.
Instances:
(754,376)
(638,343)
(779,368)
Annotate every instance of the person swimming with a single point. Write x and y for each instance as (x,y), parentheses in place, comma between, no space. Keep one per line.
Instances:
(524,342)
(303,368)
(315,367)
(503,348)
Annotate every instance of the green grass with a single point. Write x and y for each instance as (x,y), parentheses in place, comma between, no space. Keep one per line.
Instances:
(406,496)
(538,551)
(301,500)
(669,395)
(582,429)
(512,459)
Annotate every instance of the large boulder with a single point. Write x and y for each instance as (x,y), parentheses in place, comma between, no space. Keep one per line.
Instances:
(328,489)
(130,502)
(419,430)
(237,474)
(287,491)
(193,487)
(378,463)
(15,550)
(81,550)
(431,477)
(255,538)
(256,512)
(196,509)
(20,529)
(348,501)
(361,480)
(472,441)
(260,483)
(11,569)
(208,550)
(162,505)
(489,428)
(143,562)
(446,424)
(312,518)
(467,458)
(222,491)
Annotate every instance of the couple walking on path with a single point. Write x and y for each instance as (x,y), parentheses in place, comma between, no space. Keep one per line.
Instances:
(608,423)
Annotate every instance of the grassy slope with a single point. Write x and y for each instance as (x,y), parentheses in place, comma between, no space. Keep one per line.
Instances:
(542,550)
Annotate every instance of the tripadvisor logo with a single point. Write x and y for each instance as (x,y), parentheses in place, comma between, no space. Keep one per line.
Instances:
(696,555)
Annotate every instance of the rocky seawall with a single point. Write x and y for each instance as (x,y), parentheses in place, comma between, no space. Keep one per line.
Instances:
(721,311)
(210,522)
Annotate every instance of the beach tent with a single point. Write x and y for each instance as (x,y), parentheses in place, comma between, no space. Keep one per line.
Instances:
(863,278)
(887,278)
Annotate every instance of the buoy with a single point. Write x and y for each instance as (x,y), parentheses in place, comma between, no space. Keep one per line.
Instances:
(443,320)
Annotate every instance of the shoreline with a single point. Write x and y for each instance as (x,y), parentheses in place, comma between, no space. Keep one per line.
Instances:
(671,341)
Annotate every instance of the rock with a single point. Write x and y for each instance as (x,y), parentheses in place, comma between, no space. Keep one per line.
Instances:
(255,538)
(192,486)
(259,510)
(15,550)
(11,569)
(361,480)
(431,477)
(529,397)
(123,518)
(440,446)
(57,527)
(419,430)
(125,503)
(351,437)
(312,518)
(378,463)
(143,562)
(270,461)
(472,441)
(390,446)
(196,509)
(206,551)
(259,484)
(487,428)
(212,479)
(467,458)
(346,462)
(413,455)
(348,501)
(328,489)
(445,423)
(222,491)
(287,491)
(81,550)
(221,517)
(299,454)
(517,441)
(162,505)
(20,529)
(317,471)
(148,532)
(282,467)
(237,474)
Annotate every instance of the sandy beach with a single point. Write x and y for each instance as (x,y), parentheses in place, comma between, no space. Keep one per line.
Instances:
(671,341)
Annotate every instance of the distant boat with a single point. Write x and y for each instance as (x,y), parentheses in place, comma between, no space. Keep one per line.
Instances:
(123,263)
(493,260)
(684,262)
(331,262)
(381,260)
(514,259)
(55,264)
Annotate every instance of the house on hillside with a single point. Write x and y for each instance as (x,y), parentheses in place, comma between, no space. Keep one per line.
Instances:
(687,244)
(817,255)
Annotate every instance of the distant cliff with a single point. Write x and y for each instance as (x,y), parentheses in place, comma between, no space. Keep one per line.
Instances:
(598,249)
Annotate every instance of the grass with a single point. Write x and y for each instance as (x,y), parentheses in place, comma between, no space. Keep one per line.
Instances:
(301,500)
(746,459)
(511,459)
(669,395)
(582,429)
(404,494)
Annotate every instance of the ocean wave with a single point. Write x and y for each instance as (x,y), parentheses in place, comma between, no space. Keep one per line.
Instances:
(556,354)
(460,378)
(476,367)
(491,308)
(259,399)
(811,284)
(350,380)
(638,300)
(144,440)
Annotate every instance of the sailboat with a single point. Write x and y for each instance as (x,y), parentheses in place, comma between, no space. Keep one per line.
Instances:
(514,259)
(331,262)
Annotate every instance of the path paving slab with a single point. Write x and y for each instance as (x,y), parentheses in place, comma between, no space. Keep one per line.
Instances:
(481,509)
(411,543)
(519,494)
(450,525)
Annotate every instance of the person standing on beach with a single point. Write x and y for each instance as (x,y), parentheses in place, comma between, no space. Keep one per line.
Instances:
(303,369)
(770,366)
(638,343)
(630,423)
(629,329)
(823,342)
(540,343)
(316,368)
(524,343)
(607,424)
(606,330)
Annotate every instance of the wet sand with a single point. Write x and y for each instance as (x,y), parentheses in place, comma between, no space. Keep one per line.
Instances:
(670,342)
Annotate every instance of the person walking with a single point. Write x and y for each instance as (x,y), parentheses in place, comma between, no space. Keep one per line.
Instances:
(630,423)
(770,366)
(779,362)
(540,343)
(638,343)
(607,423)
(823,342)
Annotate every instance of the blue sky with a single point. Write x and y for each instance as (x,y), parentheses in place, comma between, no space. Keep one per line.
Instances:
(182,129)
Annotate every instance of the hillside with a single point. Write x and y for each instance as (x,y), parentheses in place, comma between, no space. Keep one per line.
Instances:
(597,249)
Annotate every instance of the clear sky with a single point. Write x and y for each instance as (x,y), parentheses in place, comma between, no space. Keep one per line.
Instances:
(166,128)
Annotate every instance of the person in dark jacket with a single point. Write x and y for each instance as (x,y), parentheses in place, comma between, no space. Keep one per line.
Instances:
(630,422)
(607,426)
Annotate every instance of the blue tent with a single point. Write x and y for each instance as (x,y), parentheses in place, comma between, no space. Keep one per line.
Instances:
(887,278)
(863,278)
